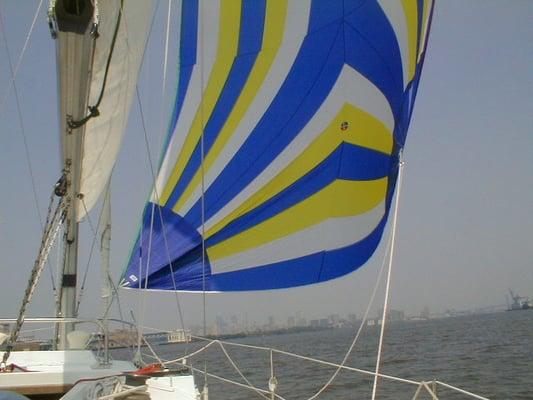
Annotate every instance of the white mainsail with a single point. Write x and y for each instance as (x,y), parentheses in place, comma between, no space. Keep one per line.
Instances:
(103,134)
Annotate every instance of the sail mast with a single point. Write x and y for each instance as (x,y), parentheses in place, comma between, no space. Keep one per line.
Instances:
(74,33)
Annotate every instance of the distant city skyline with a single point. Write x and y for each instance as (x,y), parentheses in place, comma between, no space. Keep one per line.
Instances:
(466,208)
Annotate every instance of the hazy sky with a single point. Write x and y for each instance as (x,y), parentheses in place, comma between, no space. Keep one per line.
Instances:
(466,210)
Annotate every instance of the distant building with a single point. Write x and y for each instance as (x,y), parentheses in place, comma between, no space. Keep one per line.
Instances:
(291,322)
(179,336)
(271,324)
(392,315)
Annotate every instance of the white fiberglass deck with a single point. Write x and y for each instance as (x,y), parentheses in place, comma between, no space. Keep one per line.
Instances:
(55,371)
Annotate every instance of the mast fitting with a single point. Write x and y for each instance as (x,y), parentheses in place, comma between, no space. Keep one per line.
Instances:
(60,188)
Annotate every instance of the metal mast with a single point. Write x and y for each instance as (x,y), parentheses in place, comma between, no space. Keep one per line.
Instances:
(72,25)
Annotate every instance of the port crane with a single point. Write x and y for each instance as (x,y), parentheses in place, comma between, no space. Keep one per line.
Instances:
(518,302)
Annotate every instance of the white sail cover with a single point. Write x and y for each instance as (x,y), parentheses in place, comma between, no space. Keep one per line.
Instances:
(103,134)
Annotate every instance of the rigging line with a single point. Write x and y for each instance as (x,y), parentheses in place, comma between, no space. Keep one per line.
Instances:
(119,306)
(202,173)
(140,294)
(361,326)
(21,56)
(262,392)
(156,194)
(165,66)
(60,270)
(59,263)
(152,350)
(342,365)
(93,243)
(47,242)
(142,305)
(24,138)
(49,212)
(298,356)
(165,63)
(387,287)
(277,396)
(234,365)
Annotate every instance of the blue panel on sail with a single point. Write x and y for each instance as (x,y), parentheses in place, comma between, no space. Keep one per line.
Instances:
(166,242)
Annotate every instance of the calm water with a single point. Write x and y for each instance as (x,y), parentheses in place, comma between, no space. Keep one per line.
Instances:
(491,355)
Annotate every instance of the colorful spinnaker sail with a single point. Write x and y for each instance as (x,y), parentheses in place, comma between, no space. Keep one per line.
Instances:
(282,155)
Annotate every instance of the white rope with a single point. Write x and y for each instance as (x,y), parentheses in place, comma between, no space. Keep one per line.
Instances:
(202,149)
(165,63)
(156,194)
(354,341)
(234,365)
(235,383)
(419,384)
(428,389)
(200,350)
(142,294)
(361,326)
(461,390)
(21,55)
(311,359)
(387,287)
(94,231)
(202,174)
(262,392)
(152,350)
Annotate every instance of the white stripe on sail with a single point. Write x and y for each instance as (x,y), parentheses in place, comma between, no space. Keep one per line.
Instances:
(350,87)
(295,31)
(396,16)
(331,234)
(191,103)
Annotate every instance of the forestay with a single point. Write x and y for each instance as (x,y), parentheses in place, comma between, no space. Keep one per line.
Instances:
(282,152)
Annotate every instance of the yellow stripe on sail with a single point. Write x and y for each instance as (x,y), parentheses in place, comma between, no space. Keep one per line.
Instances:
(362,129)
(411,15)
(230,17)
(339,199)
(275,17)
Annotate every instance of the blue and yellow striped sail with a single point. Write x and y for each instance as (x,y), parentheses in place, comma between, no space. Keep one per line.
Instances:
(283,149)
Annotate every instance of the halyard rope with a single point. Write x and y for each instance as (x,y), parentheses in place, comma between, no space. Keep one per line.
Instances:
(389,270)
